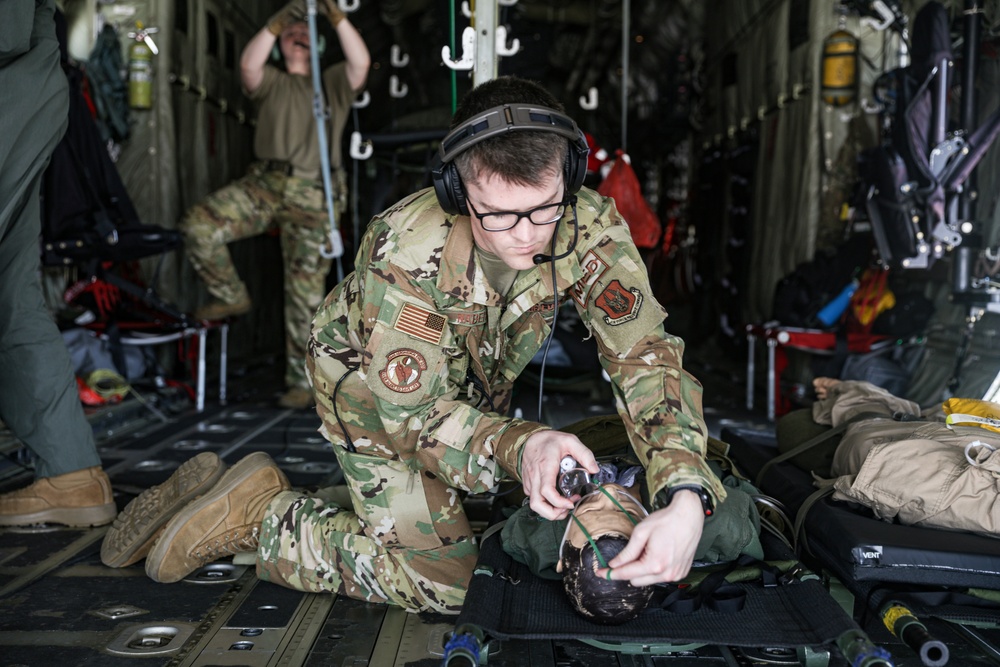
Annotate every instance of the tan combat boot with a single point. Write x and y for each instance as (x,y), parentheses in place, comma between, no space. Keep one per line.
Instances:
(78,498)
(224,521)
(137,527)
(297,398)
(220,310)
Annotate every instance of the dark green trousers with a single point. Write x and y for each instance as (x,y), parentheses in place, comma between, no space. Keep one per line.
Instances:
(38,397)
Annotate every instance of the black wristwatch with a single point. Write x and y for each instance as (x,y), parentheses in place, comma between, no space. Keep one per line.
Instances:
(706,500)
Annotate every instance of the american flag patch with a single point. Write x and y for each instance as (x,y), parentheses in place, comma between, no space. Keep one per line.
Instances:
(420,323)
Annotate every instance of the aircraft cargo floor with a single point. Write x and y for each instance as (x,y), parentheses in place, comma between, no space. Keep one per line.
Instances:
(60,606)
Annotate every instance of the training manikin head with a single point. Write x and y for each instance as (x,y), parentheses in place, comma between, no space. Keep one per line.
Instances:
(603,520)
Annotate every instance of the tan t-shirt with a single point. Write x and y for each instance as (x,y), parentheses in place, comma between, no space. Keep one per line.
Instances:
(286,129)
(500,276)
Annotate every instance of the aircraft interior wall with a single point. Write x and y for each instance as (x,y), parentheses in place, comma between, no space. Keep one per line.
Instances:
(762,103)
(756,166)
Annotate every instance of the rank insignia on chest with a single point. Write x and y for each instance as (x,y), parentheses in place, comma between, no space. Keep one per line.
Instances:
(402,370)
(620,305)
(420,323)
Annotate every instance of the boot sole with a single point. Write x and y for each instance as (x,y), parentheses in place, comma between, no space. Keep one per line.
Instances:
(222,314)
(76,517)
(296,405)
(235,476)
(137,527)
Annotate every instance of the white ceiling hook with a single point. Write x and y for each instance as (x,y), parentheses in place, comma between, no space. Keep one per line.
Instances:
(348,6)
(362,101)
(357,151)
(465,61)
(466,10)
(589,101)
(336,246)
(882,10)
(501,48)
(396,89)
(397,58)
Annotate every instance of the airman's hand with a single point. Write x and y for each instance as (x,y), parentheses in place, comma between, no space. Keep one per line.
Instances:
(540,469)
(663,544)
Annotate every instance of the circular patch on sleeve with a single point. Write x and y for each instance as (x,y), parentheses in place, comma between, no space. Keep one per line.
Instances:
(402,370)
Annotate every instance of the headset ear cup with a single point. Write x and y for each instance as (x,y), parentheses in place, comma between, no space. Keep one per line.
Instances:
(454,182)
(275,53)
(575,169)
(448,188)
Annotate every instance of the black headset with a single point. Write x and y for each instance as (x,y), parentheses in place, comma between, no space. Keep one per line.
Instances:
(496,121)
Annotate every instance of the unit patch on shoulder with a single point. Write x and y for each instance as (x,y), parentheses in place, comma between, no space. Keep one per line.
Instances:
(420,323)
(402,370)
(593,268)
(621,305)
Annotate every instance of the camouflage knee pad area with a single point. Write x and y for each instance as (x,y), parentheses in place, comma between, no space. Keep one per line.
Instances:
(313,547)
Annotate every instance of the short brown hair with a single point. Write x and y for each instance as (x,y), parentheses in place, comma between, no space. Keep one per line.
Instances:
(520,158)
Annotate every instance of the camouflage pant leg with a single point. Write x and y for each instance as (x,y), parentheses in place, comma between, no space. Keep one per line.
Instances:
(304,224)
(239,210)
(408,542)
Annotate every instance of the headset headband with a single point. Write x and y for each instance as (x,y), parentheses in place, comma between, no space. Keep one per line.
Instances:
(505,118)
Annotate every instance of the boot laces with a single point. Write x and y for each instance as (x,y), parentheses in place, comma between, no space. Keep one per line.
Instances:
(228,544)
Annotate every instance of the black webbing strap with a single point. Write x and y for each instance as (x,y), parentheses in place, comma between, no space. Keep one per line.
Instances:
(812,442)
(800,516)
(715,593)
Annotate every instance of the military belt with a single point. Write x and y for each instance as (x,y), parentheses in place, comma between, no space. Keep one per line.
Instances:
(286,168)
(278,165)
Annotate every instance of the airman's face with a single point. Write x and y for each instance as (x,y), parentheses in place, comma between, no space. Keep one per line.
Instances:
(518,245)
(295,42)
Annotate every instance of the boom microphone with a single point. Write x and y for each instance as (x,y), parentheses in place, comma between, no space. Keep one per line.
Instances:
(541,259)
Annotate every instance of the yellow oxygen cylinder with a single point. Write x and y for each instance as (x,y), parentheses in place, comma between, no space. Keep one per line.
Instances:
(840,68)
(140,70)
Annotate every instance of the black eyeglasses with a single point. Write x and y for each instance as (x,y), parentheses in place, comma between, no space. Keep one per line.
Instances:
(501,221)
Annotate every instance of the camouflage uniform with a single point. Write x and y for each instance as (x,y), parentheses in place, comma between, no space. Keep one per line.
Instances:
(283,191)
(415,323)
(266,199)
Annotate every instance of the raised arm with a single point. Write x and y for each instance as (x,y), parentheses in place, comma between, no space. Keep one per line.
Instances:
(254,57)
(258,49)
(351,42)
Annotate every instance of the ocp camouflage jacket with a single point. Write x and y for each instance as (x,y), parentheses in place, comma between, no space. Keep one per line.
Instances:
(418,316)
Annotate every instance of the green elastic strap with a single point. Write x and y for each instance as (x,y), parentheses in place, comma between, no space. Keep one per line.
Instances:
(590,538)
(593,544)
(618,505)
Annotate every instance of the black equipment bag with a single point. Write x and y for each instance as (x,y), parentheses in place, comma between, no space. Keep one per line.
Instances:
(87,215)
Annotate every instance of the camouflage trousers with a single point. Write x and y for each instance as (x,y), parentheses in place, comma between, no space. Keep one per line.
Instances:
(407,541)
(261,201)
